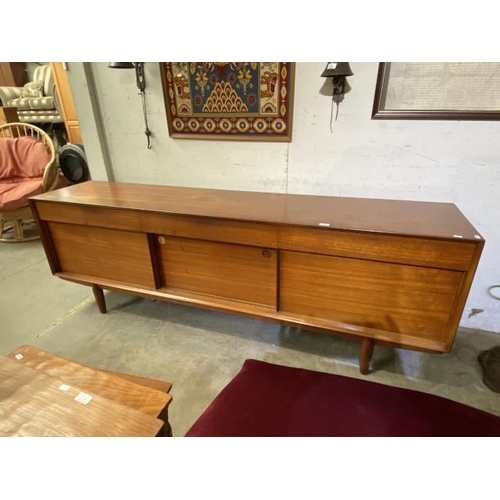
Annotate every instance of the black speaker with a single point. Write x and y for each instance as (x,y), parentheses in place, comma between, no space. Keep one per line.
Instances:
(73,163)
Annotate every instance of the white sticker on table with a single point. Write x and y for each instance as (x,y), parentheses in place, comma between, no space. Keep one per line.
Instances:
(83,398)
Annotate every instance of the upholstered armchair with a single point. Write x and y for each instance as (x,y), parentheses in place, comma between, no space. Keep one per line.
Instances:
(36,102)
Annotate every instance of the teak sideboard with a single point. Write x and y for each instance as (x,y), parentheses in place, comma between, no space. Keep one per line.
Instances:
(384,271)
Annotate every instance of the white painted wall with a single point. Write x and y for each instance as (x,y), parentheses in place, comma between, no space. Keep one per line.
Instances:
(445,161)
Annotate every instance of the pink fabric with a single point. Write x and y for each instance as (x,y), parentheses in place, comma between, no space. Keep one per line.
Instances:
(22,163)
(15,195)
(22,158)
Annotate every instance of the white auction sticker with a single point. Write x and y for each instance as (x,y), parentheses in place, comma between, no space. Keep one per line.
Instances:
(83,398)
(64,387)
(19,356)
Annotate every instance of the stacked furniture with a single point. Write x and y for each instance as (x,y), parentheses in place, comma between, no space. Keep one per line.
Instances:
(42,394)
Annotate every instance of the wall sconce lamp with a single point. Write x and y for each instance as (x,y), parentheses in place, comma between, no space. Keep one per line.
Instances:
(338,71)
(141,85)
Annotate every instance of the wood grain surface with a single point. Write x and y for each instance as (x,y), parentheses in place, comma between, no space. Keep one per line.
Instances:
(223,270)
(379,295)
(432,219)
(108,253)
(139,393)
(35,404)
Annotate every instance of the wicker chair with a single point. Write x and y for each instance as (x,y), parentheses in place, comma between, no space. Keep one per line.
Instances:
(12,222)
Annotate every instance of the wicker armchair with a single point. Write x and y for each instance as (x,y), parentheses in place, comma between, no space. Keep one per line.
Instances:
(16,187)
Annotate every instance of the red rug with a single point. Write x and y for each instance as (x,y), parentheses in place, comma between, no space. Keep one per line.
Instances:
(270,400)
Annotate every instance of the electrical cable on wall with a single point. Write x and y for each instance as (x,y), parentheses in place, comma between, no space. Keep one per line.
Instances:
(331,116)
(141,85)
(491,293)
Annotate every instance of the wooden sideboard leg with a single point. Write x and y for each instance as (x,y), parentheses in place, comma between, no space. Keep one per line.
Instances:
(99,298)
(365,355)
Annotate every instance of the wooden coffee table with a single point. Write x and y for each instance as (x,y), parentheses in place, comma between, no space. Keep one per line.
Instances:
(45,394)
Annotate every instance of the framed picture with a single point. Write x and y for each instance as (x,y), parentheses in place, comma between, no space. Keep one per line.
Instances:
(437,91)
(242,101)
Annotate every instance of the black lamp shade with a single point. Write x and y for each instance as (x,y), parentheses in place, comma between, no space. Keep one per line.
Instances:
(121,65)
(337,69)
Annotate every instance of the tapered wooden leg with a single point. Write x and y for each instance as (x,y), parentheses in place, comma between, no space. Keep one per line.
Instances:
(99,298)
(365,355)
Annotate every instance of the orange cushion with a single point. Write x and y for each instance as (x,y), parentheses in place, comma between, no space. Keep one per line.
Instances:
(22,158)
(15,195)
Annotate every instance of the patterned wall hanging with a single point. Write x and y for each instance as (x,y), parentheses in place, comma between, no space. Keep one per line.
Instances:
(243,101)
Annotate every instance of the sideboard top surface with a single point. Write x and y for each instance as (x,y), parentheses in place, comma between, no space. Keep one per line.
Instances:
(416,218)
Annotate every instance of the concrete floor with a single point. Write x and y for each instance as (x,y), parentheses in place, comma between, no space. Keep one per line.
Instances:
(201,351)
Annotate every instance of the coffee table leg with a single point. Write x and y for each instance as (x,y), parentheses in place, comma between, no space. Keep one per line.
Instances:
(99,298)
(166,430)
(365,356)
